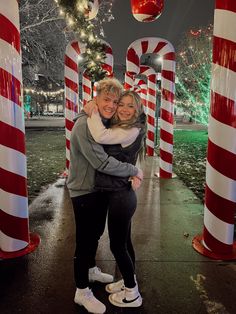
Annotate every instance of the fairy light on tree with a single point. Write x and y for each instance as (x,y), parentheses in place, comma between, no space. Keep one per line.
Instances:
(193,72)
(75,14)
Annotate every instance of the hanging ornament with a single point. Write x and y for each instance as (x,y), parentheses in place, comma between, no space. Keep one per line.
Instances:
(92,9)
(147,10)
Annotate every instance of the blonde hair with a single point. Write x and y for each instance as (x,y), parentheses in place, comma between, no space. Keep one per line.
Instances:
(137,120)
(109,85)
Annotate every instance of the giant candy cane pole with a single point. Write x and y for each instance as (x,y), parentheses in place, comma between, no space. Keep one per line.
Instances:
(220,194)
(140,87)
(87,88)
(151,105)
(73,51)
(166,50)
(15,239)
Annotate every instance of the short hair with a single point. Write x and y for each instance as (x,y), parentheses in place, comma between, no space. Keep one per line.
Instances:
(110,85)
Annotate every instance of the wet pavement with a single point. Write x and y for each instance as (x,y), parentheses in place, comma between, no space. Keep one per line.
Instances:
(172,276)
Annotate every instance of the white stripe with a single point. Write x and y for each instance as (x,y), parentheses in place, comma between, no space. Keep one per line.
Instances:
(168,127)
(167,105)
(168,85)
(71,95)
(152,99)
(149,143)
(220,184)
(72,53)
(151,112)
(224,24)
(131,67)
(220,230)
(140,17)
(168,65)
(223,81)
(8,244)
(222,135)
(166,146)
(67,154)
(151,128)
(71,75)
(70,114)
(165,166)
(13,204)
(11,11)
(12,114)
(13,161)
(148,72)
(10,60)
(68,134)
(166,49)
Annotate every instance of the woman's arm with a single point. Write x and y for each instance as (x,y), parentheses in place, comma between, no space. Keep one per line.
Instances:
(118,135)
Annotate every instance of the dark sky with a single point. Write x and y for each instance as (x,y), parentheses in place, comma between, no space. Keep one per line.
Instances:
(177,17)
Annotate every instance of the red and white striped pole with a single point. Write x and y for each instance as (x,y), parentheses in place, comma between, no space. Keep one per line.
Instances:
(15,239)
(166,51)
(151,105)
(217,241)
(141,87)
(87,88)
(73,52)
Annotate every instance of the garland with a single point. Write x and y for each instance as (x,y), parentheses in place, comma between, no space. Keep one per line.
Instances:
(74,12)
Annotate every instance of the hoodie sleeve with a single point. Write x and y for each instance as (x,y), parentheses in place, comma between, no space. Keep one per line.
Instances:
(98,158)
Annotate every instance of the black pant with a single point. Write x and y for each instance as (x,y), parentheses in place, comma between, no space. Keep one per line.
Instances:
(90,217)
(122,206)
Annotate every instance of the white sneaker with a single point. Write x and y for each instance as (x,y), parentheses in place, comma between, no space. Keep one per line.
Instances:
(86,298)
(95,274)
(126,298)
(115,286)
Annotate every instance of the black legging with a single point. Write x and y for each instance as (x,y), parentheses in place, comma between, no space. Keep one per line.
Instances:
(90,217)
(122,206)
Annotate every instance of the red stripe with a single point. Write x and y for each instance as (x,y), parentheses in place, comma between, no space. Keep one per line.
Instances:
(12,137)
(13,183)
(167,95)
(215,245)
(14,227)
(164,174)
(152,78)
(70,105)
(144,45)
(166,136)
(150,151)
(168,75)
(150,136)
(69,124)
(168,157)
(71,64)
(10,87)
(107,67)
(159,46)
(86,89)
(72,85)
(222,160)
(151,92)
(223,109)
(167,116)
(108,50)
(143,69)
(226,5)
(169,56)
(9,33)
(132,57)
(76,46)
(219,206)
(151,120)
(219,55)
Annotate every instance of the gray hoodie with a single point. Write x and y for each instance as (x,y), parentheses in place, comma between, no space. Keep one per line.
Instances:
(86,156)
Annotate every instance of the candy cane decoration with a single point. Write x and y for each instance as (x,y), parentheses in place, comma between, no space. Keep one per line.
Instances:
(147,10)
(166,50)
(151,105)
(87,88)
(220,197)
(140,87)
(73,52)
(15,239)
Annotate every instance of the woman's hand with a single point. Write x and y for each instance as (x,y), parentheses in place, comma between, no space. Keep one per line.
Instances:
(135,183)
(90,107)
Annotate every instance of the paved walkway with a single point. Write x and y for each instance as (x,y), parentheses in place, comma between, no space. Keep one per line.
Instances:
(173,277)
